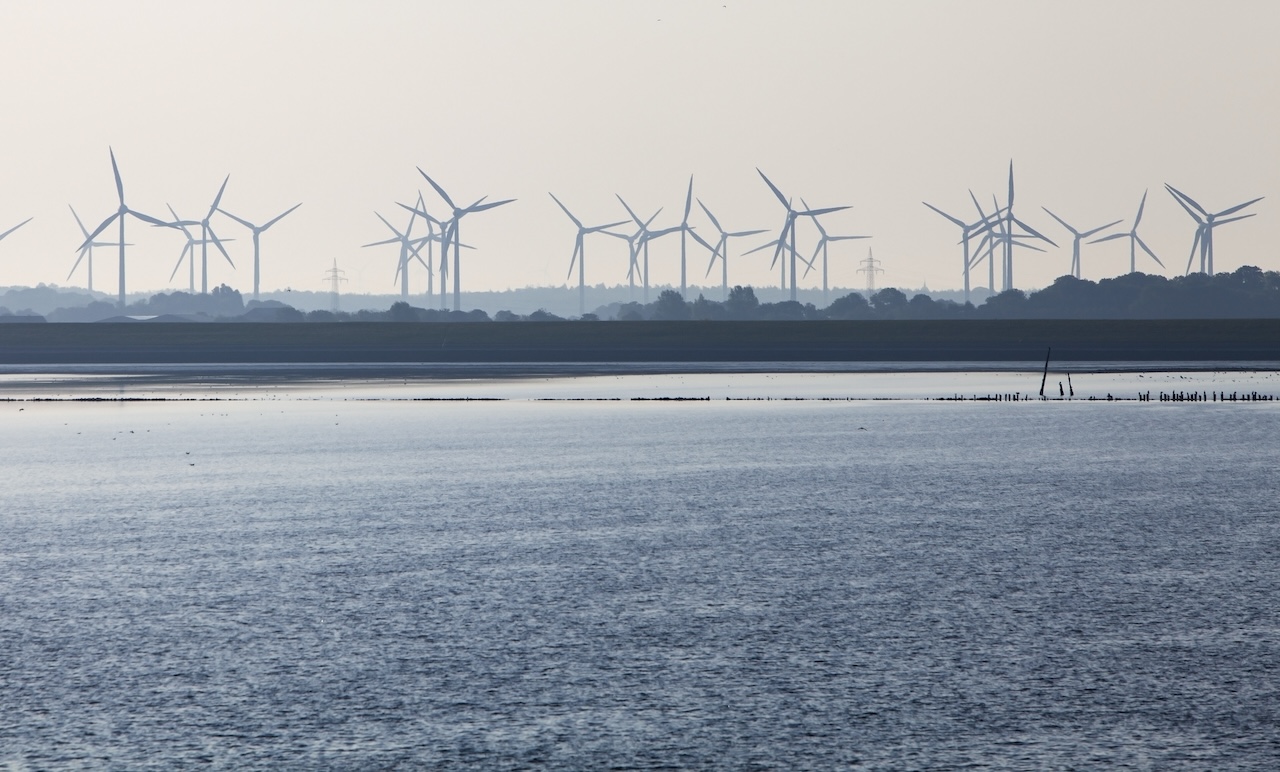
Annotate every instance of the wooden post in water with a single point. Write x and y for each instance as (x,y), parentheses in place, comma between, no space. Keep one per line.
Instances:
(1045,377)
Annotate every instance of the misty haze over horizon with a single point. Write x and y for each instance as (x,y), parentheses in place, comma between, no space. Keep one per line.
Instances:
(878,107)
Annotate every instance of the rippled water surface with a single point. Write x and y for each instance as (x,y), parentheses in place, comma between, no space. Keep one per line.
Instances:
(373,584)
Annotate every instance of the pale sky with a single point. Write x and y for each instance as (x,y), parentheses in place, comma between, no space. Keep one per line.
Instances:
(877,105)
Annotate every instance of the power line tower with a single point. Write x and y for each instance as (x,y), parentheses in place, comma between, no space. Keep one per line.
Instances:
(871,267)
(335,279)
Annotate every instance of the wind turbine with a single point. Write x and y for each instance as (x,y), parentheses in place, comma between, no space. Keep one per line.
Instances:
(579,250)
(1206,222)
(451,234)
(1009,237)
(633,250)
(1135,240)
(823,239)
(685,230)
(1077,237)
(644,238)
(257,231)
(408,247)
(189,247)
(790,227)
(721,249)
(207,236)
(420,210)
(967,230)
(87,251)
(997,230)
(120,215)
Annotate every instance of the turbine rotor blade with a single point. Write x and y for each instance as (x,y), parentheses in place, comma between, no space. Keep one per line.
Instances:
(280,216)
(565,209)
(775,190)
(944,214)
(439,190)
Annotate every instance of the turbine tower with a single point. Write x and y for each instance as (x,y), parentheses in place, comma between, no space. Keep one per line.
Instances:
(789,228)
(257,231)
(1007,232)
(408,249)
(645,237)
(579,251)
(420,210)
(188,251)
(1135,240)
(451,234)
(1077,237)
(207,236)
(823,239)
(87,252)
(1205,223)
(120,216)
(633,250)
(686,230)
(721,249)
(967,230)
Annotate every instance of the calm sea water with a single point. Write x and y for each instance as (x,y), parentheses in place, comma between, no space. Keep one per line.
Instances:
(300,579)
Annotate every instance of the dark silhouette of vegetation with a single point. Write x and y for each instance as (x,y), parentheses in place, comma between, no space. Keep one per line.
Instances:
(1246,293)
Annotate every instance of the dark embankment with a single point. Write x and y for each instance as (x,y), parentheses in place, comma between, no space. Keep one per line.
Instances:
(815,341)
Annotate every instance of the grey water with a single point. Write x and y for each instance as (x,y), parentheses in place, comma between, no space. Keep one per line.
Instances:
(384,583)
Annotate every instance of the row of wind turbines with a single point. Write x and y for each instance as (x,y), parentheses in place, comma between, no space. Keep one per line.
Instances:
(1001,229)
(638,240)
(999,232)
(207,236)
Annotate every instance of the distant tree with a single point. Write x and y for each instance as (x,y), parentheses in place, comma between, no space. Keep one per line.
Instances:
(630,312)
(851,306)
(704,309)
(670,306)
(889,303)
(543,315)
(588,318)
(1010,304)
(506,316)
(321,316)
(742,303)
(402,312)
(787,310)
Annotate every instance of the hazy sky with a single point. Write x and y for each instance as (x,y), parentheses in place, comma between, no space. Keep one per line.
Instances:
(877,105)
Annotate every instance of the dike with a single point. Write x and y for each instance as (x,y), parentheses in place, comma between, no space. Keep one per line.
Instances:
(1213,340)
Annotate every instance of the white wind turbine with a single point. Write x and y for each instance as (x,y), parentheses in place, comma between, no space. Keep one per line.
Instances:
(721,249)
(119,215)
(1135,240)
(685,230)
(789,228)
(1010,223)
(1206,222)
(967,230)
(87,251)
(451,234)
(408,250)
(1077,237)
(188,251)
(633,251)
(579,250)
(823,239)
(644,237)
(207,237)
(257,231)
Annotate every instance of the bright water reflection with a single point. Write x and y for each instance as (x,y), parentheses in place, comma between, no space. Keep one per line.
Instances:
(306,583)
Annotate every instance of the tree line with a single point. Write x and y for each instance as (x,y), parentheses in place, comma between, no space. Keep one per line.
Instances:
(1247,292)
